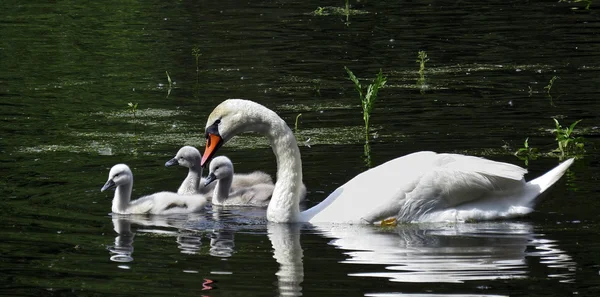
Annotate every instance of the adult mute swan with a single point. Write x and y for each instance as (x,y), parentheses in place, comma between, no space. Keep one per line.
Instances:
(257,194)
(189,156)
(121,178)
(419,187)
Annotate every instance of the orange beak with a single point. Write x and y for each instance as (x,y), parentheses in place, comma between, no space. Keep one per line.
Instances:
(213,143)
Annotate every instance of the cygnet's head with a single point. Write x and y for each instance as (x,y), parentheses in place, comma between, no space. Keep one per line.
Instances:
(119,174)
(220,167)
(187,156)
(231,117)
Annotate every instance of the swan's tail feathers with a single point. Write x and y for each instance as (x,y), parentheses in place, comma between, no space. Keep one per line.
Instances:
(547,180)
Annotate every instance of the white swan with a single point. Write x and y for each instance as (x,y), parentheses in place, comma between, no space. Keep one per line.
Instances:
(194,183)
(419,187)
(121,178)
(256,194)
(189,157)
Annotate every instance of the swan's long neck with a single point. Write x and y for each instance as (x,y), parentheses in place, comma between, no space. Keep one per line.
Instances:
(288,252)
(283,207)
(122,198)
(191,184)
(221,192)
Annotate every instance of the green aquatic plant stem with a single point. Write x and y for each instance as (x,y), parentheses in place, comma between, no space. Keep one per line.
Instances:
(550,84)
(347,13)
(367,155)
(525,153)
(567,144)
(132,109)
(320,11)
(367,99)
(296,123)
(196,53)
(169,79)
(587,2)
(422,59)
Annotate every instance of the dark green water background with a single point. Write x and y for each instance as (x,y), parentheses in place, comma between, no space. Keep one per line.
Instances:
(69,68)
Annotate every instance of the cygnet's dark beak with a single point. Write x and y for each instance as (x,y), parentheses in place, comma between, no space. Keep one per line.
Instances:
(172,162)
(209,179)
(108,185)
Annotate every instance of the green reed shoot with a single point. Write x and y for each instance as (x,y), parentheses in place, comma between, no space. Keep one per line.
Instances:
(132,109)
(296,123)
(587,2)
(526,152)
(367,155)
(347,13)
(170,84)
(422,59)
(567,144)
(317,86)
(169,79)
(550,84)
(320,11)
(367,99)
(196,53)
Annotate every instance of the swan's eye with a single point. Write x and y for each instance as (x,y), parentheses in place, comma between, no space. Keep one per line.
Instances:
(218,121)
(117,175)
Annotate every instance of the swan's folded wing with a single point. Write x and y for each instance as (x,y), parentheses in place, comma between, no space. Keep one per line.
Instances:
(142,205)
(487,167)
(446,188)
(373,194)
(242,180)
(257,195)
(413,184)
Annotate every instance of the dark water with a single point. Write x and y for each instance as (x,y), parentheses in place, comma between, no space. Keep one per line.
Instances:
(68,70)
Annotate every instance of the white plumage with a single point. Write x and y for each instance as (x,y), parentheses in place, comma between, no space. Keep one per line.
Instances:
(121,178)
(419,187)
(257,191)
(194,183)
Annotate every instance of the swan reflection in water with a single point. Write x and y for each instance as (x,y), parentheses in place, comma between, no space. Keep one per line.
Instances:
(423,253)
(450,253)
(123,248)
(287,251)
(189,230)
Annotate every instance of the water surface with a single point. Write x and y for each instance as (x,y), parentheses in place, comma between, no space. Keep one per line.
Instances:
(68,70)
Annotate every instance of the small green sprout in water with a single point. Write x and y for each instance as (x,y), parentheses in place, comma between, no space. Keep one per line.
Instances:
(296,123)
(567,144)
(169,79)
(587,2)
(422,59)
(344,11)
(347,13)
(170,84)
(132,109)
(525,153)
(367,154)
(550,84)
(196,53)
(368,99)
(320,11)
(317,86)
